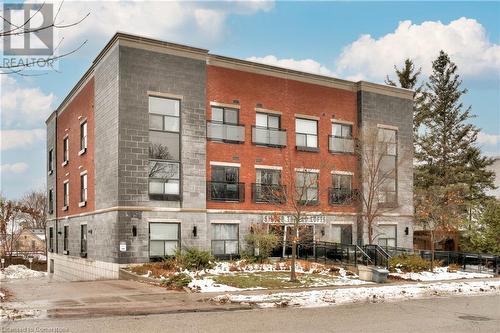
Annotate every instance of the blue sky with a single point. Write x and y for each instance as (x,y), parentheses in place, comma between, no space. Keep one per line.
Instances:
(353,40)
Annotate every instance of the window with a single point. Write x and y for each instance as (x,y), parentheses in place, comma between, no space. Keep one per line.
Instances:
(341,192)
(268,186)
(83,136)
(51,161)
(164,148)
(83,188)
(306,187)
(225,239)
(341,130)
(387,235)
(225,115)
(306,133)
(267,120)
(66,150)
(387,194)
(83,239)
(66,194)
(225,184)
(51,239)
(164,239)
(66,235)
(341,234)
(50,199)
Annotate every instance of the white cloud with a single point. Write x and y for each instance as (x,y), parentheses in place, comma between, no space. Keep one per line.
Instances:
(305,65)
(23,107)
(176,21)
(489,139)
(18,139)
(464,39)
(19,167)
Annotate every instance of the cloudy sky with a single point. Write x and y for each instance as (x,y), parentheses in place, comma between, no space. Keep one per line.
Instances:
(352,40)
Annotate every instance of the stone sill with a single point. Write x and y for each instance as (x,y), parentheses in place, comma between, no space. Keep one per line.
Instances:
(83,151)
(64,163)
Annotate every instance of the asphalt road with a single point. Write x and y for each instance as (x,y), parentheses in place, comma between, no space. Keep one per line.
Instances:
(453,314)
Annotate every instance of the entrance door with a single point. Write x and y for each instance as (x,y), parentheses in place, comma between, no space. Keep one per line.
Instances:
(346,235)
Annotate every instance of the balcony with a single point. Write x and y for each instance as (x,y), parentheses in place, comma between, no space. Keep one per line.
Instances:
(340,144)
(224,191)
(340,196)
(225,132)
(271,137)
(269,193)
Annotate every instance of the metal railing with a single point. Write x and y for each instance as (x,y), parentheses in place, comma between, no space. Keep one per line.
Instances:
(338,144)
(273,137)
(271,193)
(224,191)
(225,132)
(340,196)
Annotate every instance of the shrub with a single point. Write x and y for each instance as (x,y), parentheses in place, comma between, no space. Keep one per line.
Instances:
(194,259)
(453,268)
(177,281)
(410,263)
(261,239)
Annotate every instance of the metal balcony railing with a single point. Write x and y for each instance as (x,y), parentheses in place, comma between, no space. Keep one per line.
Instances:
(271,137)
(340,196)
(340,144)
(270,193)
(224,191)
(225,132)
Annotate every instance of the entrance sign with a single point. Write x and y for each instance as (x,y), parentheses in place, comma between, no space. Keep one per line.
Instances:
(289,219)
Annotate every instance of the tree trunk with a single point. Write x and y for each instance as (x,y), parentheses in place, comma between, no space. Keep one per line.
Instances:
(432,251)
(293,276)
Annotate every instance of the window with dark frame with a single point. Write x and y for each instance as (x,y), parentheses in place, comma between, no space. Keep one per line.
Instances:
(83,239)
(267,187)
(164,239)
(224,184)
(83,188)
(306,134)
(341,192)
(266,120)
(342,130)
(164,148)
(51,160)
(387,236)
(225,239)
(307,187)
(387,194)
(50,199)
(66,194)
(51,239)
(65,238)
(83,136)
(226,116)
(66,150)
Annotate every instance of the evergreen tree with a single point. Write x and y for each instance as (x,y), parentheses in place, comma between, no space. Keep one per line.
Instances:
(447,155)
(484,236)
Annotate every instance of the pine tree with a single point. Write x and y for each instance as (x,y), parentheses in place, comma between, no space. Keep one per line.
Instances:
(447,154)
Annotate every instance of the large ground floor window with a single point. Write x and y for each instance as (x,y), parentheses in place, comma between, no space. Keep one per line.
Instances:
(387,235)
(164,239)
(225,239)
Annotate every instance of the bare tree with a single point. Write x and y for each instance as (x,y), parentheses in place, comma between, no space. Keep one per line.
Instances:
(35,202)
(10,229)
(380,160)
(25,29)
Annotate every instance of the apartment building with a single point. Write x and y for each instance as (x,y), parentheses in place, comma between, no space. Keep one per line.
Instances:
(161,145)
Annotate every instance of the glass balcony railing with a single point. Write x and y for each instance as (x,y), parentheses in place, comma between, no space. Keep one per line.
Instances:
(225,132)
(272,137)
(340,144)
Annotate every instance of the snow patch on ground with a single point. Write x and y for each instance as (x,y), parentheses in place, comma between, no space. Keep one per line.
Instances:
(20,272)
(440,273)
(207,285)
(321,298)
(12,314)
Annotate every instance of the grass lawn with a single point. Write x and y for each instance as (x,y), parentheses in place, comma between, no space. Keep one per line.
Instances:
(272,280)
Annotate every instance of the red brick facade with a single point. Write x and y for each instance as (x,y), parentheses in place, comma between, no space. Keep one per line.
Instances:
(81,108)
(290,98)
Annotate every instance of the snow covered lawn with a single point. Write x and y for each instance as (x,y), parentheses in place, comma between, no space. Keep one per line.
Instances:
(440,273)
(20,272)
(320,298)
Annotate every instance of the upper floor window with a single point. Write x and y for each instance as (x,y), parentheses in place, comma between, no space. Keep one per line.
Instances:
(387,174)
(306,134)
(306,187)
(341,191)
(50,201)
(225,185)
(341,130)
(267,120)
(164,148)
(51,160)
(65,150)
(225,115)
(341,139)
(83,136)
(83,188)
(267,131)
(267,187)
(66,195)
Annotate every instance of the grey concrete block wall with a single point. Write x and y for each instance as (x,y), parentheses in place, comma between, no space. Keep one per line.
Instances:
(375,109)
(106,130)
(142,71)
